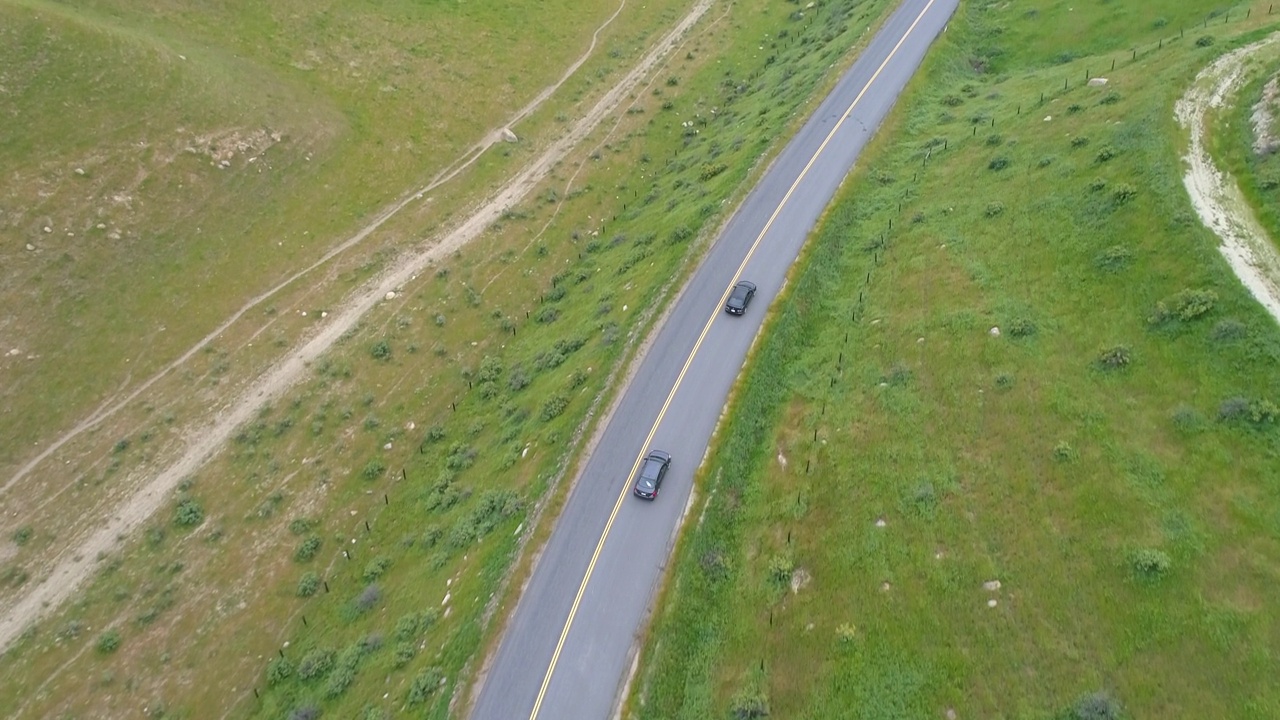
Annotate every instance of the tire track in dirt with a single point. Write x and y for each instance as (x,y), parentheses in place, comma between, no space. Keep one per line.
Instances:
(76,563)
(1215,194)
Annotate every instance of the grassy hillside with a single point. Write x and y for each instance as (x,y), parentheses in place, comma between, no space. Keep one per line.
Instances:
(910,515)
(185,158)
(442,421)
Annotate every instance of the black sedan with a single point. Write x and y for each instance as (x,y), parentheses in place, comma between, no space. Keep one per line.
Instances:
(652,471)
(740,298)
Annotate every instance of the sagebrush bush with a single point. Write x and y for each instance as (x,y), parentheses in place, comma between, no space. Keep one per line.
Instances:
(1115,358)
(1150,563)
(1183,306)
(307,549)
(315,664)
(109,641)
(381,350)
(1234,408)
(426,684)
(554,407)
(278,671)
(781,568)
(994,209)
(373,469)
(998,163)
(1063,452)
(376,568)
(1123,193)
(189,513)
(308,584)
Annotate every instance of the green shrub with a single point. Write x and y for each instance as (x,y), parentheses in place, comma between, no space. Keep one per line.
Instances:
(1149,563)
(376,568)
(1063,452)
(278,671)
(998,163)
(308,584)
(22,535)
(1204,41)
(373,469)
(109,642)
(1105,154)
(1079,141)
(1123,193)
(1234,408)
(1184,306)
(1263,412)
(381,350)
(188,513)
(315,664)
(426,684)
(1115,358)
(301,526)
(404,654)
(367,598)
(994,208)
(554,407)
(780,569)
(307,549)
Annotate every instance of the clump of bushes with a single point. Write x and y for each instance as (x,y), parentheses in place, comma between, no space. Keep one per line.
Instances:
(189,513)
(1095,706)
(308,584)
(1114,258)
(426,684)
(994,208)
(109,642)
(381,350)
(1183,306)
(307,549)
(1150,563)
(1115,358)
(998,163)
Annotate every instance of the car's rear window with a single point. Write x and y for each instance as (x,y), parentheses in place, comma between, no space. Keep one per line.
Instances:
(650,469)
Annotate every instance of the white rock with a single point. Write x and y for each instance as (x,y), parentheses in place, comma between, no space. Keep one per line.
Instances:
(1047,118)
(445,601)
(509,136)
(387,446)
(992,602)
(324,314)
(1097,82)
(15,351)
(881,523)
(885,587)
(47,229)
(994,332)
(80,171)
(410,425)
(391,295)
(991,585)
(101,226)
(30,246)
(113,235)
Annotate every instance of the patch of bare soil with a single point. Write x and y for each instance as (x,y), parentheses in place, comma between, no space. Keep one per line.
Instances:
(1214,193)
(76,561)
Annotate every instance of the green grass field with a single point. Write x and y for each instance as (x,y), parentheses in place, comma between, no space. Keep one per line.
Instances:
(448,414)
(1109,458)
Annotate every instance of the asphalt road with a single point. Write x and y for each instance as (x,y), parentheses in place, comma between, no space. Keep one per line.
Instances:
(568,648)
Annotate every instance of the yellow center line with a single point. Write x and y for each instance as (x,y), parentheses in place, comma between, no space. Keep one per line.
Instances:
(595,556)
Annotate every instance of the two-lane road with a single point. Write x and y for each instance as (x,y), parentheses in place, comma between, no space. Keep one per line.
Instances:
(567,649)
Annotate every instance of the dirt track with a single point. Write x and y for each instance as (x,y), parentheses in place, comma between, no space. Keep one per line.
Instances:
(1214,193)
(75,563)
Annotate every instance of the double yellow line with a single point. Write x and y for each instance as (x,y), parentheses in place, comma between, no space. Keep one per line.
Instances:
(582,588)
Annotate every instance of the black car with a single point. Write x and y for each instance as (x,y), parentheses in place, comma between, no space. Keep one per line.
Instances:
(740,298)
(652,471)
